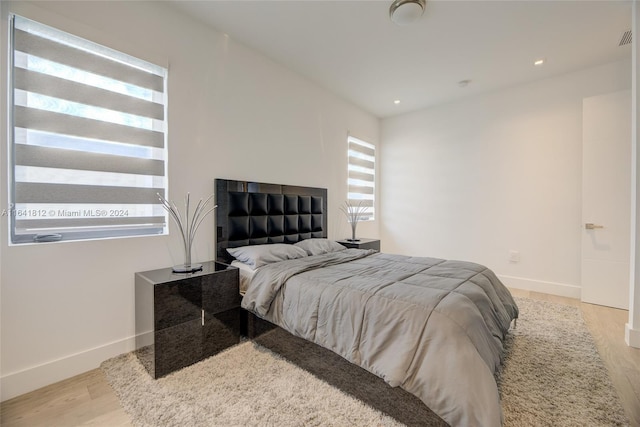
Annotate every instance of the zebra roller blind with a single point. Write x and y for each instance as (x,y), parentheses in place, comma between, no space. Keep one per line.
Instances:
(362,175)
(89,132)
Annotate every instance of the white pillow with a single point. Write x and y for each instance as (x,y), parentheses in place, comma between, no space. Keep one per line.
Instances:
(319,246)
(259,255)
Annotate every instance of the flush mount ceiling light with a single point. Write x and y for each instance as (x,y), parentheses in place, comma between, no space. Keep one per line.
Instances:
(404,12)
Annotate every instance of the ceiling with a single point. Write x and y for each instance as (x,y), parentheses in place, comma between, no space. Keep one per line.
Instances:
(355,51)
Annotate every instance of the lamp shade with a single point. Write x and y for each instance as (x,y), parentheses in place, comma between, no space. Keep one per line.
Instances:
(404,12)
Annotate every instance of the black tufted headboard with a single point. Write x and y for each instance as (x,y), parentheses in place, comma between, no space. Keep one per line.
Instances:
(254,213)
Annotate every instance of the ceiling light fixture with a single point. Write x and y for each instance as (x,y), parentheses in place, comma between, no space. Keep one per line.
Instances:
(397,101)
(538,62)
(404,12)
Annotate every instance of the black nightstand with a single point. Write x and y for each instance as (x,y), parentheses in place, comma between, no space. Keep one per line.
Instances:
(361,244)
(182,318)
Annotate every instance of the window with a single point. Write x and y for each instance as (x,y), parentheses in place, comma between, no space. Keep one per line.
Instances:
(362,175)
(88,148)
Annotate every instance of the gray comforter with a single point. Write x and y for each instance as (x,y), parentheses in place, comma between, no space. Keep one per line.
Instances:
(430,326)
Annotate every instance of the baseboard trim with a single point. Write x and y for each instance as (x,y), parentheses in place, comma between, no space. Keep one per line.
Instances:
(560,289)
(21,382)
(631,336)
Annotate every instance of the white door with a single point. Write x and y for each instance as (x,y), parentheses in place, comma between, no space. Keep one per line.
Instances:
(606,199)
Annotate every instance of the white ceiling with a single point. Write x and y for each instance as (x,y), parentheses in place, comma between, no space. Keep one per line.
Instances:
(355,51)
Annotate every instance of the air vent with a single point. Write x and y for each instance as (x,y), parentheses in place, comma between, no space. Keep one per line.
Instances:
(626,38)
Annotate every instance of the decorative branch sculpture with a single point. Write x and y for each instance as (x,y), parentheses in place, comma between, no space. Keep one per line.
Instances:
(188,226)
(354,213)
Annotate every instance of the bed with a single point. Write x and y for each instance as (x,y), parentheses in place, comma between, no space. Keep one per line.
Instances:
(433,327)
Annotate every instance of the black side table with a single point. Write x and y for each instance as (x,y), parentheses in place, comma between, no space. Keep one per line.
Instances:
(361,244)
(182,318)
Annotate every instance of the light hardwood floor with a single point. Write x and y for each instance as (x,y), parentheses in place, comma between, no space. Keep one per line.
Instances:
(87,399)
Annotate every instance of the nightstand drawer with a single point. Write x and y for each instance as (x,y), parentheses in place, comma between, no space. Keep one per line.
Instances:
(177,347)
(177,302)
(220,291)
(221,331)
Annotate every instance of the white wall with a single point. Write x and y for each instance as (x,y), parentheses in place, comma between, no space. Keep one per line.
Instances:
(232,114)
(496,173)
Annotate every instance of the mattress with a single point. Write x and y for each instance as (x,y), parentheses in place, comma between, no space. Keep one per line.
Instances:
(246,274)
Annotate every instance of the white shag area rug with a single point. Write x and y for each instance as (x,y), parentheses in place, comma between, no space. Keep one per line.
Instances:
(552,376)
(242,386)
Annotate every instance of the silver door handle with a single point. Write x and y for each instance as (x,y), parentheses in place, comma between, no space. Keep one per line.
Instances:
(590,226)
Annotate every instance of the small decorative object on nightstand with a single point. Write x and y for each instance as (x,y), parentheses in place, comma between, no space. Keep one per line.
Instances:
(361,244)
(354,213)
(188,225)
(182,318)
